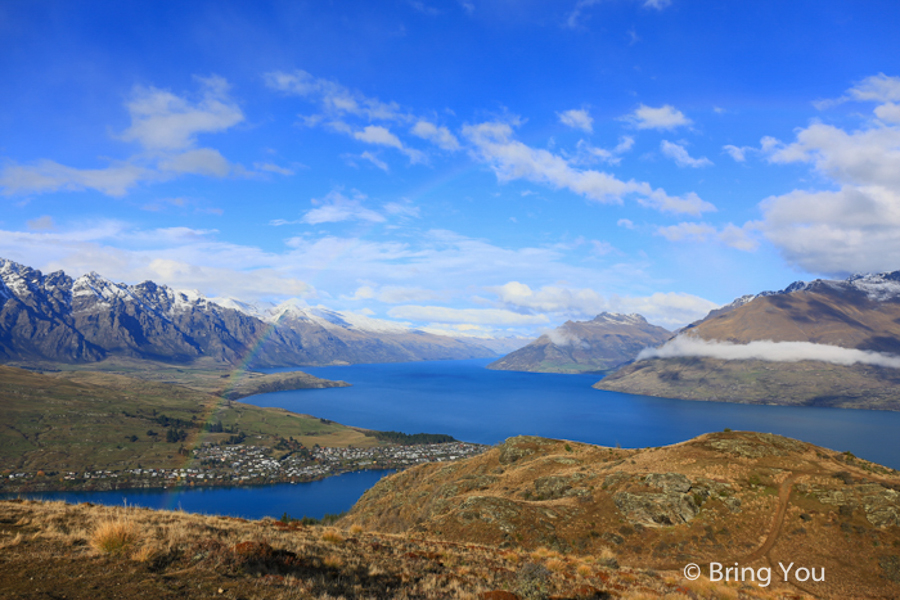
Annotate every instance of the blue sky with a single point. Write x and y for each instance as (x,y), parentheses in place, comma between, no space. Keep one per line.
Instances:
(478,167)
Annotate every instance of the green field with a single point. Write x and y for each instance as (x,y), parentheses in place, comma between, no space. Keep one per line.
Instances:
(81,420)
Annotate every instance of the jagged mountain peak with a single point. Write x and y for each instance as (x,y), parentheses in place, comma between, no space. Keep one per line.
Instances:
(876,286)
(92,317)
(625,319)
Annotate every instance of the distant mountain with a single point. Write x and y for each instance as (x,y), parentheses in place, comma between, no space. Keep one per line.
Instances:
(57,318)
(607,341)
(825,342)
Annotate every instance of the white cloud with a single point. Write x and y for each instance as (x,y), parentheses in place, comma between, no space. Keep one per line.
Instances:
(855,227)
(851,230)
(165,125)
(574,18)
(511,159)
(381,136)
(686,345)
(680,155)
(336,207)
(738,154)
(877,88)
(730,235)
(272,168)
(664,117)
(375,161)
(402,209)
(577,119)
(44,223)
(669,310)
(49,176)
(202,161)
(863,157)
(440,136)
(626,223)
(334,99)
(479,316)
(162,121)
(374,134)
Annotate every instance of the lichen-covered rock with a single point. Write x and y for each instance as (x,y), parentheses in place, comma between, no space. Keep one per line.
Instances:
(489,509)
(669,482)
(558,486)
(882,506)
(757,445)
(656,510)
(515,448)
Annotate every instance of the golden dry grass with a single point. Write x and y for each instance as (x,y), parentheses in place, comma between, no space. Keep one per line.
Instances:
(114,536)
(267,560)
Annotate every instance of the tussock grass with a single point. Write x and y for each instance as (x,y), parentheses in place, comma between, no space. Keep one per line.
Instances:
(116,536)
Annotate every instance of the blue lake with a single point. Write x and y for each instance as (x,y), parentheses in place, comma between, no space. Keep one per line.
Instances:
(475,404)
(314,499)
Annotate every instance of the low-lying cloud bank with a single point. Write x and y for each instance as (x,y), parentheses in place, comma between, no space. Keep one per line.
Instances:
(684,345)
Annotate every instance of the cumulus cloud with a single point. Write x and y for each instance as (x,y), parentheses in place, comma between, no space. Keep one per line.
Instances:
(577,119)
(511,159)
(855,227)
(665,117)
(680,155)
(686,345)
(851,230)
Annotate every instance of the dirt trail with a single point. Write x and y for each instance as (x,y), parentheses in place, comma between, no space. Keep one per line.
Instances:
(784,494)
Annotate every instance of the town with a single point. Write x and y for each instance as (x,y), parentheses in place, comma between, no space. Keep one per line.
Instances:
(229,465)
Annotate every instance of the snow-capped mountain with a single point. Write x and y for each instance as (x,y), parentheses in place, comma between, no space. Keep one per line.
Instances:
(603,343)
(54,317)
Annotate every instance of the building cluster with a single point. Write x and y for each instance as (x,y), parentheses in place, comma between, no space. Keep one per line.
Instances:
(241,464)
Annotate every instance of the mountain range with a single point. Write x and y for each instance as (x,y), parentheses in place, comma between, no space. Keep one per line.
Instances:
(825,343)
(58,318)
(607,341)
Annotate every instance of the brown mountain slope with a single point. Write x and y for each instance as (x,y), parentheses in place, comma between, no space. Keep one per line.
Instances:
(860,313)
(804,383)
(845,318)
(748,498)
(601,344)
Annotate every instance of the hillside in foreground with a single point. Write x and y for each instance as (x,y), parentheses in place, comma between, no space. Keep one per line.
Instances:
(758,500)
(85,552)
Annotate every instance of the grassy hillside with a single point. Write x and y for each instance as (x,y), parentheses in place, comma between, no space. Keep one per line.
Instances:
(79,420)
(733,497)
(203,375)
(83,552)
